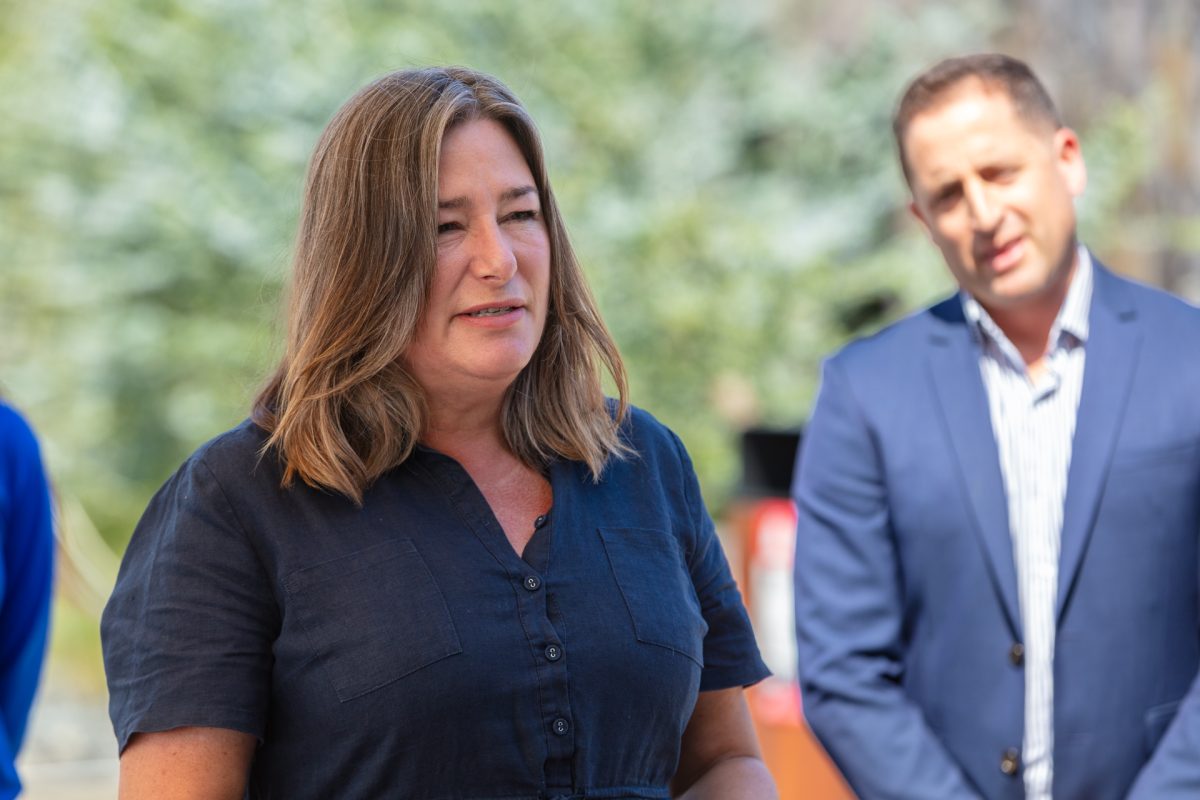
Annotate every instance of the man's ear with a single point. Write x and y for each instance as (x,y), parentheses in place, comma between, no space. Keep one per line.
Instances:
(916,212)
(1068,156)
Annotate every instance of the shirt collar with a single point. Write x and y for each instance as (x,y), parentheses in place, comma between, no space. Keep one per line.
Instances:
(1072,317)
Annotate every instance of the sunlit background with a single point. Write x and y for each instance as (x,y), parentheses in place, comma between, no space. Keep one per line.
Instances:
(725,168)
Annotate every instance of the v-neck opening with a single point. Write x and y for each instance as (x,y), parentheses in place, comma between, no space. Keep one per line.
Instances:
(537,550)
(470,504)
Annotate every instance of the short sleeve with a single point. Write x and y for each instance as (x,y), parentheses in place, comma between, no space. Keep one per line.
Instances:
(731,656)
(188,631)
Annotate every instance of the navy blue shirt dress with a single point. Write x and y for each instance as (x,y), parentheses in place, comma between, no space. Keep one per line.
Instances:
(404,649)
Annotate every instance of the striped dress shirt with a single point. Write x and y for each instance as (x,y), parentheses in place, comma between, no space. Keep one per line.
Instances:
(1034,422)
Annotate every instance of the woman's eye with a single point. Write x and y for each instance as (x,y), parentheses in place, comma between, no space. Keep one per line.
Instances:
(530,214)
(447,227)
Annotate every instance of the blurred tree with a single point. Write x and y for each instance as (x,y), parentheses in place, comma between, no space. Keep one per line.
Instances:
(725,167)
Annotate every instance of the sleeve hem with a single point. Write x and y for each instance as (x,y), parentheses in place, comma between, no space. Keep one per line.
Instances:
(730,677)
(149,724)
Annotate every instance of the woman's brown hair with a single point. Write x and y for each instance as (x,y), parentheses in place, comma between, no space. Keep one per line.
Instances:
(341,409)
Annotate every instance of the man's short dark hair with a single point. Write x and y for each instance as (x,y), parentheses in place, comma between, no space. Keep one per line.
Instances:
(995,71)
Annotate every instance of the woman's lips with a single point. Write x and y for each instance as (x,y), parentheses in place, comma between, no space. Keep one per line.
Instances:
(493,316)
(492,312)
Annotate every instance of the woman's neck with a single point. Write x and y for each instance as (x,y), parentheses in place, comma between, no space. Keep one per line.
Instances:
(459,425)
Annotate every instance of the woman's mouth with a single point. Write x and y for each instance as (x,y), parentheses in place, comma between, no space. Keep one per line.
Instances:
(492,312)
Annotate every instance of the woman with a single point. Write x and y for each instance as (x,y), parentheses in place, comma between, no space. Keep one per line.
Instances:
(436,563)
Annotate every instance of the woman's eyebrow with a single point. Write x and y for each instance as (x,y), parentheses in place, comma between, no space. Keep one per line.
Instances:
(455,203)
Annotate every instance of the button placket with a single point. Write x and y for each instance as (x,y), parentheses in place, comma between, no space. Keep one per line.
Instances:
(536,607)
(531,583)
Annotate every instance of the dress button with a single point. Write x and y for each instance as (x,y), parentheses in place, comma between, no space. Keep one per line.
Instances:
(1016,654)
(553,652)
(533,583)
(561,726)
(1010,762)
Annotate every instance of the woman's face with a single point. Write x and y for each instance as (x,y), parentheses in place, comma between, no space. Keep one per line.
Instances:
(491,287)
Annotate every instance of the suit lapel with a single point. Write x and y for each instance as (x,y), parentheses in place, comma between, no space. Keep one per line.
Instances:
(1114,338)
(954,368)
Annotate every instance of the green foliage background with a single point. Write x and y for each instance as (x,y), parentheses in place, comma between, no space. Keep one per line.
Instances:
(725,169)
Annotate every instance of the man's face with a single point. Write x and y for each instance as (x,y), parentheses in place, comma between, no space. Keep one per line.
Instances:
(996,193)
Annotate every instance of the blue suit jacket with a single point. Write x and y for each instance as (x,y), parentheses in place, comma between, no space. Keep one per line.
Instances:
(906,590)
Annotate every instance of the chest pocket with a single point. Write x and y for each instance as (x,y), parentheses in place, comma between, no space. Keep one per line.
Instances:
(657,589)
(373,617)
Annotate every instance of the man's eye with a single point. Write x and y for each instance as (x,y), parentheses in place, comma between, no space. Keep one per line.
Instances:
(946,199)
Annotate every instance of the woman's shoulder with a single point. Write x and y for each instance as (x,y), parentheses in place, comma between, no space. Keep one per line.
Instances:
(228,478)
(651,440)
(639,425)
(234,457)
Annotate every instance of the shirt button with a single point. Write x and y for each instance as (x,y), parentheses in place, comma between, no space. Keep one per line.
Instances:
(533,583)
(1016,654)
(539,522)
(1010,762)
(553,652)
(561,726)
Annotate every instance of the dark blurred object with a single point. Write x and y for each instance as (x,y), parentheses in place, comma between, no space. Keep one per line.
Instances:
(768,459)
(866,311)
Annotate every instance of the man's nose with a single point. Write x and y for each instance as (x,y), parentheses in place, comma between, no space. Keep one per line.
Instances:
(982,206)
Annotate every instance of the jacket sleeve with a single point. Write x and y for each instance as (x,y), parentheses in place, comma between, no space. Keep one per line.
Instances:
(849,611)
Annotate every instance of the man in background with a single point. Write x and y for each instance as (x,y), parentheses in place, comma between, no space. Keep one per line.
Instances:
(997,565)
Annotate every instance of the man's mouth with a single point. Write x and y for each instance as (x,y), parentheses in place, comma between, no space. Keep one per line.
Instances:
(1006,256)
